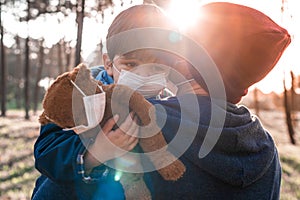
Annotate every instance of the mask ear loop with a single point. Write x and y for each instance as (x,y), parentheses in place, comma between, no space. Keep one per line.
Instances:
(100,87)
(113,66)
(76,86)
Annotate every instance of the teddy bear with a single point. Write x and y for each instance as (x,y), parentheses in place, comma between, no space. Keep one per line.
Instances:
(58,107)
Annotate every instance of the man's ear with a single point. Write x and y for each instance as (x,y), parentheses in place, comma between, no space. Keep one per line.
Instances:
(107,64)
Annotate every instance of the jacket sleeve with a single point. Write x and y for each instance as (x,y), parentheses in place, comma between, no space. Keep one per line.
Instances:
(56,152)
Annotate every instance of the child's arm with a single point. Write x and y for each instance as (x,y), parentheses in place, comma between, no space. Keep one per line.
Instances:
(56,151)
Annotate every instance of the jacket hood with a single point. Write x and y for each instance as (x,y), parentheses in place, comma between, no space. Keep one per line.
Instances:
(243,152)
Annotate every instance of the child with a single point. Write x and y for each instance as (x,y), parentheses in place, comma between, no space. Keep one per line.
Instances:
(56,151)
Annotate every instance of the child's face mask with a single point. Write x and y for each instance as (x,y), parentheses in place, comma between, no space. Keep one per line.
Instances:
(178,77)
(94,106)
(148,86)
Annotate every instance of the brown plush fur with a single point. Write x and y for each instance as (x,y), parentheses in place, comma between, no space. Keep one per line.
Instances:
(60,97)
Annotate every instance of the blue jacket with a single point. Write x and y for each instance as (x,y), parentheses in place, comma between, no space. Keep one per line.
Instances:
(56,155)
(100,74)
(243,164)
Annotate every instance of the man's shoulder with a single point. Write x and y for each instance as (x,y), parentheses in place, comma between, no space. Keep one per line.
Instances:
(95,70)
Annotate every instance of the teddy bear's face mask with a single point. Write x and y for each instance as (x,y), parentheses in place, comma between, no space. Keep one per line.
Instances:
(94,106)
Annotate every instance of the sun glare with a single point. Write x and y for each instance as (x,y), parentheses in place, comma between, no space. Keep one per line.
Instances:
(183,13)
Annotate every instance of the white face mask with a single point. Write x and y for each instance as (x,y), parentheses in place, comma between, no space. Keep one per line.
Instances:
(94,106)
(148,86)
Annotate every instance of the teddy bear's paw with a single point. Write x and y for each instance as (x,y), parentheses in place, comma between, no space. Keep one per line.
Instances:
(167,165)
(173,172)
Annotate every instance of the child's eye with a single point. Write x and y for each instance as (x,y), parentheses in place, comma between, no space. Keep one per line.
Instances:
(131,64)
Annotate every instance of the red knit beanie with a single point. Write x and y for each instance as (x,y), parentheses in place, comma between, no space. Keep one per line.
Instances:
(244,43)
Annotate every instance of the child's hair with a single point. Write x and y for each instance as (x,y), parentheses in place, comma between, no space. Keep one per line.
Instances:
(139,16)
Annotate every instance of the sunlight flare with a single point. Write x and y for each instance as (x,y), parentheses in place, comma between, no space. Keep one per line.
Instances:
(183,13)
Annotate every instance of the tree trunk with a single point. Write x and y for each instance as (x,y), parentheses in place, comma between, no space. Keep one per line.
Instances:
(256,101)
(38,78)
(293,98)
(26,70)
(79,20)
(68,51)
(18,75)
(3,70)
(59,57)
(288,115)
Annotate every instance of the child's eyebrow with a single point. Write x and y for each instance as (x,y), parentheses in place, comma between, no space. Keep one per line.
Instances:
(123,59)
(140,55)
(129,57)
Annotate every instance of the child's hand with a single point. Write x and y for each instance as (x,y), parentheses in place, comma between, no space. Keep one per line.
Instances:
(110,144)
(125,137)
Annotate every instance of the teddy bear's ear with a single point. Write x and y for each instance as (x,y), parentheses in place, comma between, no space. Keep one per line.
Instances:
(82,70)
(82,77)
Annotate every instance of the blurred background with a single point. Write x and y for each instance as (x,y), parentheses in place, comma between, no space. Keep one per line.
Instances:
(43,38)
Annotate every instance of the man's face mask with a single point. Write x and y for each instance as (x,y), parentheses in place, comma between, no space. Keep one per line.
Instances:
(148,86)
(94,106)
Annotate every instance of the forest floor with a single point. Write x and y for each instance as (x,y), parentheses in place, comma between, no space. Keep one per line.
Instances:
(17,137)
